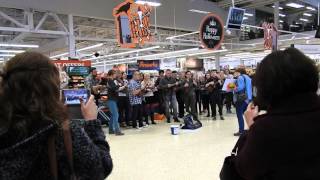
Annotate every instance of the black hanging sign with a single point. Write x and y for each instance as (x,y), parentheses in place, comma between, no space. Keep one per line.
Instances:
(211,32)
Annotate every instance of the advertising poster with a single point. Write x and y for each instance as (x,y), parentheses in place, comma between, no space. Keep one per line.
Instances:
(170,63)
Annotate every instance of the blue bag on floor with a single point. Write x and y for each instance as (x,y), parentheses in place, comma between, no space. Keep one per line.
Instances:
(191,123)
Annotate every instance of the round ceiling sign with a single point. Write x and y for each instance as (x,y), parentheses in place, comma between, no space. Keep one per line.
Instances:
(211,32)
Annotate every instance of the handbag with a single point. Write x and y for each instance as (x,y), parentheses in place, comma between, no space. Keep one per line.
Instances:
(242,96)
(67,139)
(228,171)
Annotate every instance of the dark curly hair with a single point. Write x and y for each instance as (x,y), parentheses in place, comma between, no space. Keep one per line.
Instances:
(29,94)
(283,74)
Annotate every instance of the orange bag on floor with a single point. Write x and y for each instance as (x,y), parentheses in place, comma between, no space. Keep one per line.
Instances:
(159,117)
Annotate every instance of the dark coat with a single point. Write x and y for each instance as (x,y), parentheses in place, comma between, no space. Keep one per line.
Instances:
(28,158)
(284,143)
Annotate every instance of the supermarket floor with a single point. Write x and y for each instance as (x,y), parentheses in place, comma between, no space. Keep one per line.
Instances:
(154,154)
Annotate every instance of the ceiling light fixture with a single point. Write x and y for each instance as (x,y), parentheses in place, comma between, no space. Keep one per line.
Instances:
(19,45)
(245,18)
(127,52)
(282,15)
(12,51)
(7,55)
(150,3)
(305,20)
(199,11)
(307,14)
(295,5)
(79,50)
(248,14)
(281,8)
(280,21)
(311,8)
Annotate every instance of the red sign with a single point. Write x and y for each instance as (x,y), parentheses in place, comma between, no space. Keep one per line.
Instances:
(132,23)
(65,63)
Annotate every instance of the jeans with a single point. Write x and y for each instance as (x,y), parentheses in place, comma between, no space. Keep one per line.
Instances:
(171,101)
(241,108)
(114,124)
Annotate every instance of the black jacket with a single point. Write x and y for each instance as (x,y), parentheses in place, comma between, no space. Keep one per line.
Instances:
(28,158)
(112,90)
(284,143)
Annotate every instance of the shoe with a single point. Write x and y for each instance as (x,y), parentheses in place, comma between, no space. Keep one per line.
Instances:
(169,121)
(214,118)
(153,123)
(138,128)
(145,126)
(111,132)
(119,134)
(221,118)
(237,134)
(176,120)
(208,115)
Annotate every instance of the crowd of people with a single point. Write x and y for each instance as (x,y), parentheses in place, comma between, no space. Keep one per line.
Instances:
(39,140)
(133,102)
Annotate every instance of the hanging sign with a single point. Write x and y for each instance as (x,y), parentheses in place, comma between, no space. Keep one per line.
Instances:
(149,64)
(211,32)
(270,36)
(66,63)
(132,23)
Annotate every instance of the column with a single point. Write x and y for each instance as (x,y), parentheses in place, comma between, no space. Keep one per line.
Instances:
(217,61)
(72,39)
(276,14)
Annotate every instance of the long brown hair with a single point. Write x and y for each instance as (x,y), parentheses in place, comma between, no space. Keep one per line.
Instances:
(29,94)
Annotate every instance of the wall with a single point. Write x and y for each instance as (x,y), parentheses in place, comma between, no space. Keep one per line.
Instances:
(103,9)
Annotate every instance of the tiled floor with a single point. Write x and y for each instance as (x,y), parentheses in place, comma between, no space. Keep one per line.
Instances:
(155,154)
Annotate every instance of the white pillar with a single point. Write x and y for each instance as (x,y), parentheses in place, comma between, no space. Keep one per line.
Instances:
(72,39)
(276,14)
(217,61)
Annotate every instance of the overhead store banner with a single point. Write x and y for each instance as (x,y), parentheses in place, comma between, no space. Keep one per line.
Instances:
(132,23)
(211,32)
(66,63)
(148,65)
(170,63)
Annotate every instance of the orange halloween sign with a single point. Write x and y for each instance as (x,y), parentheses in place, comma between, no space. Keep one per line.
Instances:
(132,23)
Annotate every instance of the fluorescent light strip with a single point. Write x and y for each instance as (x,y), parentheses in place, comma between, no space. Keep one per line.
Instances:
(153,56)
(280,21)
(305,20)
(7,55)
(282,15)
(238,54)
(182,35)
(245,18)
(20,45)
(281,8)
(295,5)
(127,52)
(248,14)
(150,3)
(307,14)
(12,51)
(79,50)
(199,11)
(90,47)
(311,8)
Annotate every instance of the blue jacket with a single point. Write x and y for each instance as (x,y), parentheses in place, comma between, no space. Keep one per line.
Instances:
(244,83)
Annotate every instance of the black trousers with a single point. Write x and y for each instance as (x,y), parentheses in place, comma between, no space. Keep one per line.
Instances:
(191,105)
(198,101)
(137,115)
(124,109)
(205,101)
(180,100)
(229,100)
(216,100)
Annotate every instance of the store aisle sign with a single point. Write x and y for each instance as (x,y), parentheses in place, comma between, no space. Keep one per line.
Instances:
(67,63)
(211,32)
(148,64)
(132,23)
